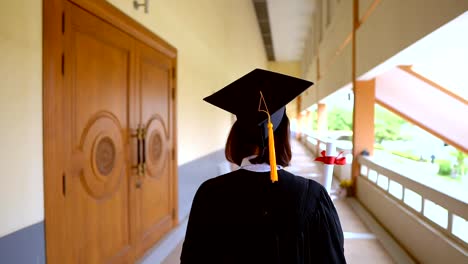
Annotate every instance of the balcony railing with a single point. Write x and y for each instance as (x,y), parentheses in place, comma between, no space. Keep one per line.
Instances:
(431,225)
(316,144)
(439,210)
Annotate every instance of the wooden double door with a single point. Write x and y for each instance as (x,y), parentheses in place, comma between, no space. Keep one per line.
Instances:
(117,139)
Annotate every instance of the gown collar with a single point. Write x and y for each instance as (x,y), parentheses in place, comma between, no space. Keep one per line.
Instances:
(264,167)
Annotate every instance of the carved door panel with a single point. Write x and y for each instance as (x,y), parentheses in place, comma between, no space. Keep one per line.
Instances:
(96,119)
(156,206)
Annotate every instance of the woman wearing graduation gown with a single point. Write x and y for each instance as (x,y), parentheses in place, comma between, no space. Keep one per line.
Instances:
(261,213)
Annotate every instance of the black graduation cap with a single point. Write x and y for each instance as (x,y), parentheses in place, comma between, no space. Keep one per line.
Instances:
(242,97)
(255,91)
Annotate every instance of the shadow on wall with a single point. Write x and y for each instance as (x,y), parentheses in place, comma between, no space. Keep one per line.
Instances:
(194,173)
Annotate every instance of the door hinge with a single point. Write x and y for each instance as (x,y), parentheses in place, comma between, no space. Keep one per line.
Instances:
(63,64)
(174,73)
(173,93)
(173,153)
(173,212)
(63,22)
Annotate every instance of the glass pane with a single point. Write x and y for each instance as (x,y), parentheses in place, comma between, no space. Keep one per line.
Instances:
(412,199)
(373,175)
(396,189)
(382,182)
(364,170)
(436,213)
(460,228)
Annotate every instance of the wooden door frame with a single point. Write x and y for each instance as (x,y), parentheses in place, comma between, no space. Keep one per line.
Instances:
(53,68)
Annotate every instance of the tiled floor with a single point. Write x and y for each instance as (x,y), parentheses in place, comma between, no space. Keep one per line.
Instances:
(361,246)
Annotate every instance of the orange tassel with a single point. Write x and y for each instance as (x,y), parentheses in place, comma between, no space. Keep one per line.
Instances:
(271,144)
(271,140)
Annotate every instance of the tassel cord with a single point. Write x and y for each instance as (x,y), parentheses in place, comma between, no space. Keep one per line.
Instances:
(271,141)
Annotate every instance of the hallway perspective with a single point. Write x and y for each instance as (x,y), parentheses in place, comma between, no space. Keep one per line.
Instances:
(361,244)
(106,137)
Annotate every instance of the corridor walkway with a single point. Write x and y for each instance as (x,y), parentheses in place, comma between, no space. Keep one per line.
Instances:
(361,245)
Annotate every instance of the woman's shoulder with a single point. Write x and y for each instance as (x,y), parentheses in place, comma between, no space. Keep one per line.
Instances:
(314,188)
(220,181)
(311,194)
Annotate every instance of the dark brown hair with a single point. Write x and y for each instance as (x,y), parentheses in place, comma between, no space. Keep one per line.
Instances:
(241,144)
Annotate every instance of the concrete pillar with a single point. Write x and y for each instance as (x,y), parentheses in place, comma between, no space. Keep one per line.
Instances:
(363,122)
(309,121)
(304,124)
(300,119)
(322,119)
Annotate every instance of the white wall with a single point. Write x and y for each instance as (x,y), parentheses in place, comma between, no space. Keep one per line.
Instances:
(217,41)
(291,68)
(21,169)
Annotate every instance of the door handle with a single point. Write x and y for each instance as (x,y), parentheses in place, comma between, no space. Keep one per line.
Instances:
(140,170)
(143,150)
(136,133)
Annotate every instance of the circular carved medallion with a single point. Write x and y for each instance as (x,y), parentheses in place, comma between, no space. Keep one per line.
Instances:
(105,156)
(156,146)
(157,150)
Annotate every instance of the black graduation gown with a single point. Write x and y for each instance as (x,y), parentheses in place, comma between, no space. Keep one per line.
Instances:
(242,217)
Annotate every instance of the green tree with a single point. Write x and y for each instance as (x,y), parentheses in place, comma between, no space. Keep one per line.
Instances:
(388,125)
(340,119)
(460,167)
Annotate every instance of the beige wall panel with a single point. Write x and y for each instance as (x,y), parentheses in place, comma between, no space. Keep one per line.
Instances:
(311,73)
(21,163)
(243,46)
(291,68)
(364,5)
(291,109)
(217,42)
(408,230)
(396,24)
(338,75)
(335,34)
(310,95)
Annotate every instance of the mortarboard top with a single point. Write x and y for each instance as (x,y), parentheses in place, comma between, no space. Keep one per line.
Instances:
(242,96)
(258,100)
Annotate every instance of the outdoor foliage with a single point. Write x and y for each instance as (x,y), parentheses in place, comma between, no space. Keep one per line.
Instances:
(448,168)
(388,126)
(340,119)
(378,146)
(460,167)
(346,183)
(407,155)
(445,167)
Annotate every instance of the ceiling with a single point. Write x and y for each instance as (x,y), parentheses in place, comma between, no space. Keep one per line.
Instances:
(285,25)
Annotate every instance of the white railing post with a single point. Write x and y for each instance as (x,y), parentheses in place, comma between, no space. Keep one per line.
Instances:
(328,168)
(422,205)
(450,223)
